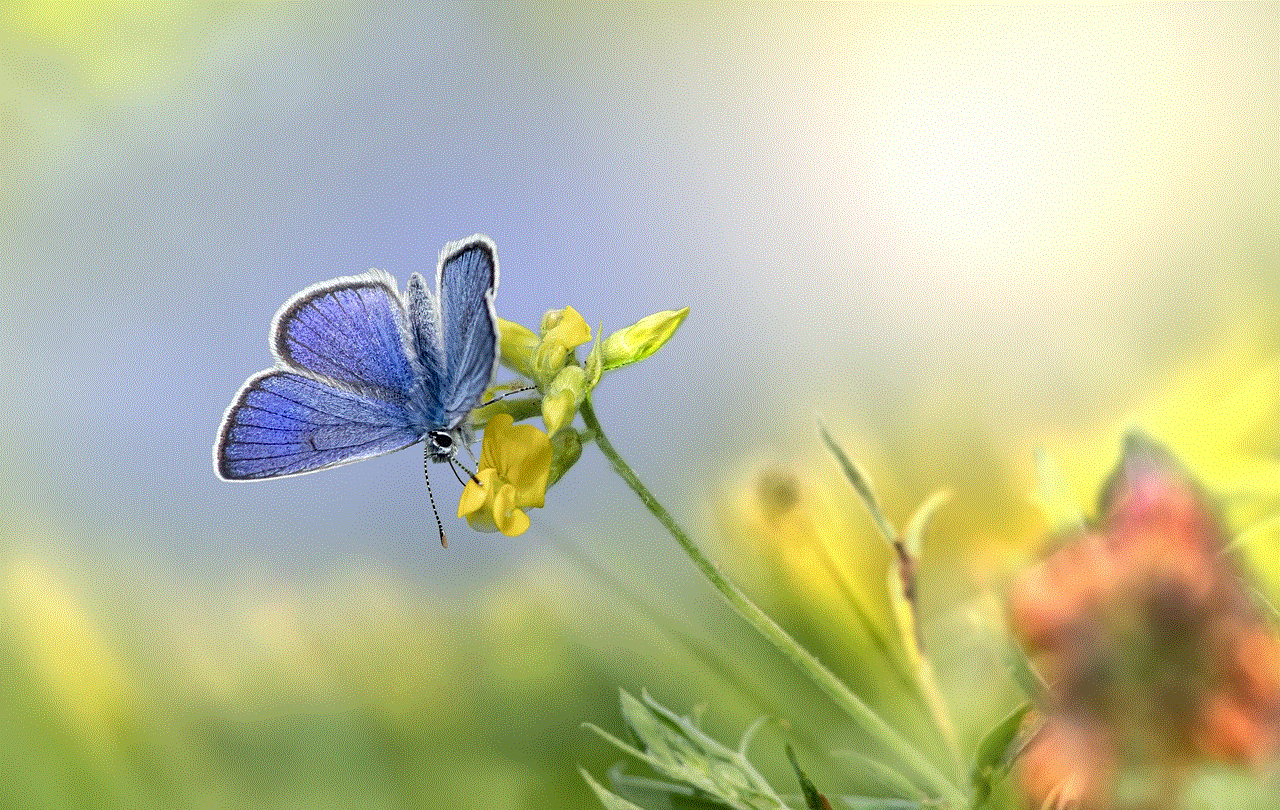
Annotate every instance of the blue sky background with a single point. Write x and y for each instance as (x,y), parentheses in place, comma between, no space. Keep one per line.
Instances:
(877,214)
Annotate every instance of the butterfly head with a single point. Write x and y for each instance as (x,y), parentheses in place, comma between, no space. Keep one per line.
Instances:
(442,445)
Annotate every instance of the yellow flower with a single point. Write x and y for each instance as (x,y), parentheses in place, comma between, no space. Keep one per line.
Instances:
(515,461)
(563,330)
(562,398)
(516,347)
(566,328)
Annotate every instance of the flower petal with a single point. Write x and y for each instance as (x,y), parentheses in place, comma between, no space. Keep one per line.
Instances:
(570,330)
(510,520)
(493,439)
(476,493)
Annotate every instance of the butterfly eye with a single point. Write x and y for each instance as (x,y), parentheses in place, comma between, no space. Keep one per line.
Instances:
(441,440)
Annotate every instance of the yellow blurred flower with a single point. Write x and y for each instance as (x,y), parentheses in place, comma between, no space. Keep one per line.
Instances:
(67,652)
(515,462)
(1220,413)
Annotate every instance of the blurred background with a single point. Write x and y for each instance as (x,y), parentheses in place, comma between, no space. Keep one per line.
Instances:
(954,234)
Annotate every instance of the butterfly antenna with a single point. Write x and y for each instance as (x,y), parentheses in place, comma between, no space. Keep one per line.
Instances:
(444,541)
(470,475)
(506,394)
(454,470)
(474,461)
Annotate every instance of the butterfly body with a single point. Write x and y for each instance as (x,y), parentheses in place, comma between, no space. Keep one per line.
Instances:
(362,370)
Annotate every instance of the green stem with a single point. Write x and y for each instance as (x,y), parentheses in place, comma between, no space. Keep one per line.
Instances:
(826,680)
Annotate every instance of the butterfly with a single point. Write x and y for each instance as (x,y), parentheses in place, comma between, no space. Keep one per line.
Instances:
(362,370)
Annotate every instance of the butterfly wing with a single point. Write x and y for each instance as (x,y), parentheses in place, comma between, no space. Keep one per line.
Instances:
(424,322)
(467,280)
(352,330)
(343,389)
(286,423)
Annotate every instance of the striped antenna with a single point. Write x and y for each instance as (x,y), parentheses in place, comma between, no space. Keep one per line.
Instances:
(426,455)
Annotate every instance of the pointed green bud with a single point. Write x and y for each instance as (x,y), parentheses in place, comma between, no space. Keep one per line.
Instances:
(563,396)
(641,339)
(517,346)
(566,448)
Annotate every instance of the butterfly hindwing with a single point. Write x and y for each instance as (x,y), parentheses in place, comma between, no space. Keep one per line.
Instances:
(286,423)
(467,281)
(424,323)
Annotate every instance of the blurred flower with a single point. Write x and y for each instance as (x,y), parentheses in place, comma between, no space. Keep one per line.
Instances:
(1153,653)
(67,652)
(515,461)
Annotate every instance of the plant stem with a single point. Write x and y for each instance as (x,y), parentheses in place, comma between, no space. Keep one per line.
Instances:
(825,679)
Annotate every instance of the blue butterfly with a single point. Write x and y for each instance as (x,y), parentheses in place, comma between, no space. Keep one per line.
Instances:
(362,370)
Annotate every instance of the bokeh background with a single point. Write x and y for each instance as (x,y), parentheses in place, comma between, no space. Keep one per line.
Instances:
(953,233)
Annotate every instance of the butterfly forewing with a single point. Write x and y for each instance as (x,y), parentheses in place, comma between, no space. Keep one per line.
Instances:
(285,423)
(468,282)
(352,330)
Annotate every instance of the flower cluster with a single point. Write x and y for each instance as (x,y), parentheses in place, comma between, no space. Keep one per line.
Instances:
(519,462)
(1154,655)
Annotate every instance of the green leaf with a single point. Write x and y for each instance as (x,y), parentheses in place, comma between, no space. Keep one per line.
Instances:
(1025,675)
(675,747)
(749,735)
(893,781)
(594,364)
(913,537)
(994,757)
(609,800)
(904,608)
(861,485)
(905,611)
(873,803)
(659,794)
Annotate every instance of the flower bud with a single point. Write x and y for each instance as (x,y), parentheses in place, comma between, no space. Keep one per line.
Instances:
(563,330)
(566,448)
(517,346)
(641,339)
(563,396)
